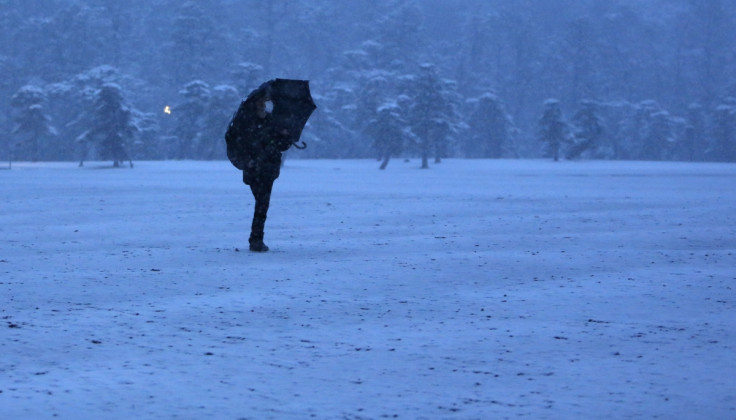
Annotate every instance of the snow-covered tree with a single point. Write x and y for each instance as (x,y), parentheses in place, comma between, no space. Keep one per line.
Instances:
(32,123)
(490,128)
(678,51)
(612,113)
(191,119)
(247,76)
(223,101)
(625,120)
(553,130)
(389,132)
(73,104)
(113,127)
(587,130)
(723,146)
(378,116)
(357,87)
(659,138)
(331,127)
(431,112)
(646,132)
(147,142)
(694,143)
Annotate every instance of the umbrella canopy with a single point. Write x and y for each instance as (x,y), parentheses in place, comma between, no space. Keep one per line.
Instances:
(292,106)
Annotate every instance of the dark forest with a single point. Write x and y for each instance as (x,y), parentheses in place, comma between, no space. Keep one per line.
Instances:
(563,79)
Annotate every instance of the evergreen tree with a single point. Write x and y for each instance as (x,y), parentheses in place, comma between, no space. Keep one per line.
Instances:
(389,132)
(694,144)
(246,77)
(587,129)
(553,131)
(491,128)
(647,132)
(723,146)
(32,123)
(191,120)
(73,103)
(113,128)
(431,113)
(657,132)
(358,87)
(677,51)
(375,91)
(613,115)
(630,129)
(147,144)
(333,126)
(223,100)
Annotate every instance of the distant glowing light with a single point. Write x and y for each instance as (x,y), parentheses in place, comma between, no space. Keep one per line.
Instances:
(167,110)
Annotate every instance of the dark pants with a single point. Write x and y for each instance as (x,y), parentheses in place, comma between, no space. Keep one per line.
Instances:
(261,188)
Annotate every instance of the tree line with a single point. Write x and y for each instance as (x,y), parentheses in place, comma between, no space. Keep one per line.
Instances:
(648,80)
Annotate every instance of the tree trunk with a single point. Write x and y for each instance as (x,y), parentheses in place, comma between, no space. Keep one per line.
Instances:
(384,164)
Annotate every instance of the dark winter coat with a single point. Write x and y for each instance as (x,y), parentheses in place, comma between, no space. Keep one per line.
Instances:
(260,155)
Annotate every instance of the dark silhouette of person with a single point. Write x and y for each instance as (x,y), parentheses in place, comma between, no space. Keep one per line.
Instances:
(262,168)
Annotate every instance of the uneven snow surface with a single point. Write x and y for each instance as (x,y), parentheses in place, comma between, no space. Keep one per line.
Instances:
(476,289)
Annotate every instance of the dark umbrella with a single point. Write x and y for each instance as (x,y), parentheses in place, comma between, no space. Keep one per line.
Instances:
(292,106)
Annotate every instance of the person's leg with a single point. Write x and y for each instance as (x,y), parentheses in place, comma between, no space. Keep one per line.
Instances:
(262,194)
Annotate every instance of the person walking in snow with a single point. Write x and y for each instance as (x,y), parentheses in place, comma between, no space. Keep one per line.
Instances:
(262,168)
(267,123)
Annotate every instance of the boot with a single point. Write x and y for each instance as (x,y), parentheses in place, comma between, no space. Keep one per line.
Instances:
(256,235)
(256,244)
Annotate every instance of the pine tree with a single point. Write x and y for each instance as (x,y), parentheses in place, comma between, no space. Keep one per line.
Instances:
(723,147)
(389,132)
(359,87)
(647,132)
(658,137)
(431,113)
(694,144)
(147,144)
(491,128)
(191,116)
(32,123)
(587,129)
(223,100)
(74,105)
(553,131)
(246,77)
(113,127)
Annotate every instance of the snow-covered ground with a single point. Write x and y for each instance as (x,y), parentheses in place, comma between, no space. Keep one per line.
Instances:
(474,290)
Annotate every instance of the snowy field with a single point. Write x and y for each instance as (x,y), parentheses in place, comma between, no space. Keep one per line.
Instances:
(473,290)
